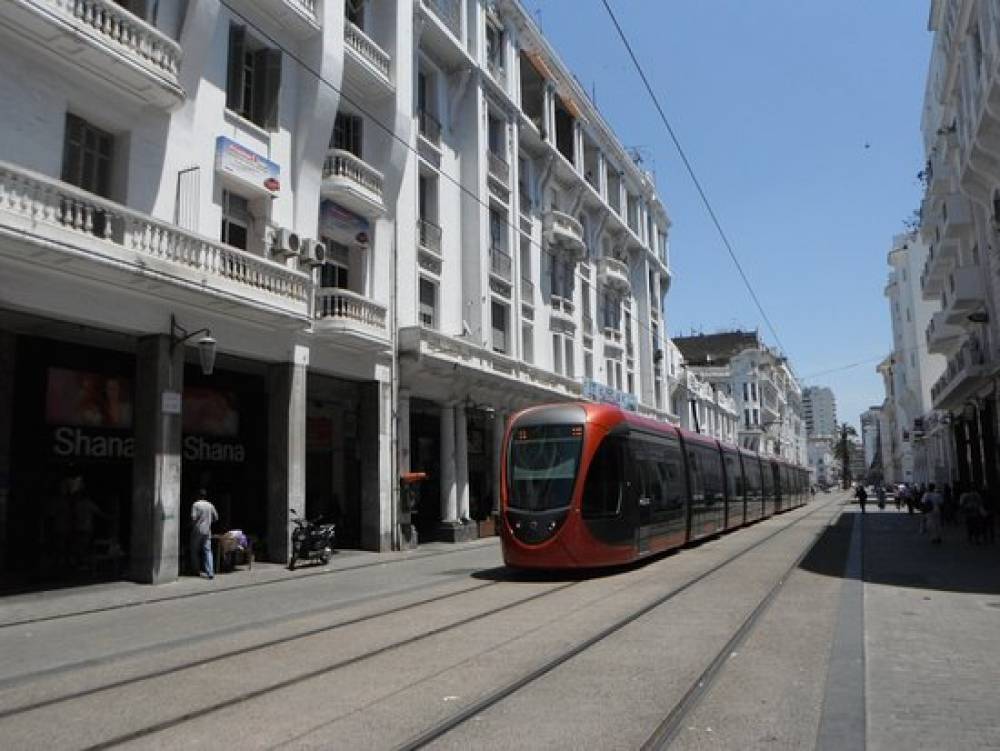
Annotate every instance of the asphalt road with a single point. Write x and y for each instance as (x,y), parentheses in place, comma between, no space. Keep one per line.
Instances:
(378,656)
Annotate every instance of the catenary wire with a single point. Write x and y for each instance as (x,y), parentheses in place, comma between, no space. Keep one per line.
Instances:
(642,323)
(694,178)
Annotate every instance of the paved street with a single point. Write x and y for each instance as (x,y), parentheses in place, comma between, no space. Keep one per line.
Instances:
(377,652)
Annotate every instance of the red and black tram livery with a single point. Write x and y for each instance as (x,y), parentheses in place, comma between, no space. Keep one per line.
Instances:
(587,485)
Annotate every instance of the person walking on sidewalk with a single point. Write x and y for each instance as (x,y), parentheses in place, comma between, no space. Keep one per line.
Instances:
(862,497)
(975,515)
(203,513)
(880,495)
(933,503)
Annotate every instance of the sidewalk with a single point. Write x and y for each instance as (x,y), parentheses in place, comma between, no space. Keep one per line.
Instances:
(931,635)
(62,603)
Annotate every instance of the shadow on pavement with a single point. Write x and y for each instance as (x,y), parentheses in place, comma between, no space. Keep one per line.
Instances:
(896,554)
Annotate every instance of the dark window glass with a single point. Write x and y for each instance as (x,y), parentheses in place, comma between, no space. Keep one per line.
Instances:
(87,156)
(734,477)
(543,464)
(602,493)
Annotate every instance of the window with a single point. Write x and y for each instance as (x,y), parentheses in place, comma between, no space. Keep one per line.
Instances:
(354,11)
(236,220)
(756,417)
(498,322)
(335,272)
(611,310)
(87,153)
(570,360)
(528,343)
(494,48)
(254,79)
(496,135)
(557,353)
(746,391)
(753,391)
(746,418)
(560,277)
(428,303)
(498,230)
(602,493)
(609,369)
(588,365)
(347,133)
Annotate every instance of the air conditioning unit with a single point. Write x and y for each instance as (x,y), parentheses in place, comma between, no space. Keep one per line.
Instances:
(313,252)
(285,243)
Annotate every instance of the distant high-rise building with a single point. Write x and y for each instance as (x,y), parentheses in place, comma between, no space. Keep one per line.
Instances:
(820,411)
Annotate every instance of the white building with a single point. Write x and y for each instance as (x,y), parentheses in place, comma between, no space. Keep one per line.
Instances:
(824,469)
(871,441)
(701,406)
(768,397)
(959,217)
(539,267)
(820,411)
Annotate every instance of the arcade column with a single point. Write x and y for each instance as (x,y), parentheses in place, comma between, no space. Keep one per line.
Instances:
(156,464)
(286,449)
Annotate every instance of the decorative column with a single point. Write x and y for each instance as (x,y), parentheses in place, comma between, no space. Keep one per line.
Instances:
(156,464)
(403,437)
(449,496)
(499,429)
(8,357)
(286,449)
(462,462)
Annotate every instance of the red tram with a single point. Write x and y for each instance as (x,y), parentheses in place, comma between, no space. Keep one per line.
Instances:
(587,485)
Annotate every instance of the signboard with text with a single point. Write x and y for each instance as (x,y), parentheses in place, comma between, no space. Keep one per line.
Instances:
(598,392)
(245,166)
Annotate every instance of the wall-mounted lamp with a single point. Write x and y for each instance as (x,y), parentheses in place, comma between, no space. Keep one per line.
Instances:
(206,345)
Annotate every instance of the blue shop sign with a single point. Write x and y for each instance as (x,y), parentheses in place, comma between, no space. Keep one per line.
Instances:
(598,392)
(245,166)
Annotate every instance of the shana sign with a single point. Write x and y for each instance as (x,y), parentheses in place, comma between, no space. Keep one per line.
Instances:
(246,167)
(77,443)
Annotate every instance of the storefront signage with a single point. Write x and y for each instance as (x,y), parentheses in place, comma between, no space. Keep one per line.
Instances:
(598,392)
(70,442)
(246,167)
(88,399)
(342,225)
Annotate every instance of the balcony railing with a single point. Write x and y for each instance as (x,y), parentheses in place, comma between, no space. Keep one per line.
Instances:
(527,291)
(449,12)
(563,305)
(970,356)
(500,263)
(361,43)
(54,208)
(565,230)
(429,235)
(430,128)
(340,163)
(122,30)
(342,304)
(499,169)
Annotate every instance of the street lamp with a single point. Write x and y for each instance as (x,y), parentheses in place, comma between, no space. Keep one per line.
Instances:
(206,344)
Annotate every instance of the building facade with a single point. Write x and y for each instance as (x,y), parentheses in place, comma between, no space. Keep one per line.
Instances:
(385,224)
(819,407)
(871,441)
(767,395)
(699,405)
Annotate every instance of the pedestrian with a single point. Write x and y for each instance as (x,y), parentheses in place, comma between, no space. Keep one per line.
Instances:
(880,494)
(949,514)
(972,507)
(862,497)
(933,502)
(203,513)
(902,497)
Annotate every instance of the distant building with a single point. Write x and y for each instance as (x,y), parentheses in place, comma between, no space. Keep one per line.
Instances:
(870,438)
(700,406)
(767,396)
(823,468)
(820,411)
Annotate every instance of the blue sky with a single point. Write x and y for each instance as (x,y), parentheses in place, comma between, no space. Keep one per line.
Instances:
(802,121)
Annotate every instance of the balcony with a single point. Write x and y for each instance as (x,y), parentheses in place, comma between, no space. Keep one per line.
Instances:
(353,183)
(965,373)
(430,127)
(527,291)
(501,264)
(942,337)
(429,237)
(963,294)
(369,67)
(562,230)
(297,16)
(563,311)
(956,217)
(499,170)
(442,33)
(101,40)
(360,322)
(614,274)
(47,223)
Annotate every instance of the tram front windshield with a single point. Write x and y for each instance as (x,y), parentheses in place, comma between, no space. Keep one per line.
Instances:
(543,463)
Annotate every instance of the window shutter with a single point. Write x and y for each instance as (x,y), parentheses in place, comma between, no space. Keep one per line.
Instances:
(234,81)
(269,79)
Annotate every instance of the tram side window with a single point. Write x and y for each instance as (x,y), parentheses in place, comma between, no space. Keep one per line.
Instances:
(753,479)
(697,477)
(768,484)
(734,477)
(711,473)
(673,467)
(602,494)
(660,474)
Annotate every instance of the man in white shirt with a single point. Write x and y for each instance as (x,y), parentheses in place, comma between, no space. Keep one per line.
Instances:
(203,513)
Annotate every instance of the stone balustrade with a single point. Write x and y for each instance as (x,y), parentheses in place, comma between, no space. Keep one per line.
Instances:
(344,164)
(365,46)
(49,203)
(342,304)
(116,26)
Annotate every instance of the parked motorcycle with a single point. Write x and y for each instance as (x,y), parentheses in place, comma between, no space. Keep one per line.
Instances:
(311,540)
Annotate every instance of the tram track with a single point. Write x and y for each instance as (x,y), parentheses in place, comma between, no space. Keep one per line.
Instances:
(459,718)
